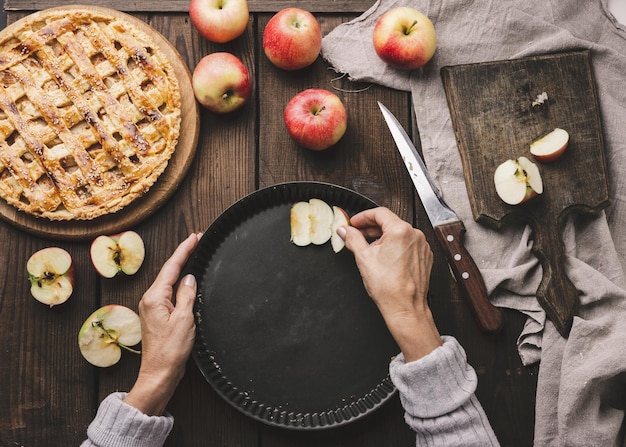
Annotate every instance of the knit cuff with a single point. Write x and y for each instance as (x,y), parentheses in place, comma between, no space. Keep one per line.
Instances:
(118,423)
(436,384)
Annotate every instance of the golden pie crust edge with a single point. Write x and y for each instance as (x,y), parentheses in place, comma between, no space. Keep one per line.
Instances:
(118,195)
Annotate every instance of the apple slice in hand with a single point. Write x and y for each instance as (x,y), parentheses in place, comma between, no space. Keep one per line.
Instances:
(51,275)
(123,252)
(315,222)
(551,146)
(340,219)
(517,181)
(106,332)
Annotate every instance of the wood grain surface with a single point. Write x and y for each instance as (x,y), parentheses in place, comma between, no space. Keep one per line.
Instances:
(165,185)
(495,120)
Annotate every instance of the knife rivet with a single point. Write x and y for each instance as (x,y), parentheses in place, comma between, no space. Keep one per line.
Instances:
(457,257)
(465,275)
(450,238)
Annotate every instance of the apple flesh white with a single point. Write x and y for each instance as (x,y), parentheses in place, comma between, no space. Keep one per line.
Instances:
(292,39)
(219,20)
(315,222)
(340,219)
(106,332)
(316,119)
(123,252)
(51,275)
(517,181)
(551,146)
(221,82)
(404,38)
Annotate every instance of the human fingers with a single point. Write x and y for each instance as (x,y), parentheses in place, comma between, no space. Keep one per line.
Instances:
(373,222)
(186,294)
(354,239)
(172,267)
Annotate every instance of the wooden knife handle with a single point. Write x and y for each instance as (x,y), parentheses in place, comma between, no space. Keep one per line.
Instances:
(468,276)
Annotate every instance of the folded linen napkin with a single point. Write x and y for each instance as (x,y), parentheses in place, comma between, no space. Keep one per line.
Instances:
(579,376)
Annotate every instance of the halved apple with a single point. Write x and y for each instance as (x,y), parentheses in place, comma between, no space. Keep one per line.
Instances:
(551,146)
(51,275)
(106,332)
(300,224)
(340,219)
(517,181)
(123,252)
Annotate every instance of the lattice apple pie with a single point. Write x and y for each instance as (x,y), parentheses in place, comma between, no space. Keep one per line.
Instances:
(89,114)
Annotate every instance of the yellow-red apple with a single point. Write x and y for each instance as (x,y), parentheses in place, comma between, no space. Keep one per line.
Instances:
(221,82)
(292,39)
(316,119)
(404,38)
(219,20)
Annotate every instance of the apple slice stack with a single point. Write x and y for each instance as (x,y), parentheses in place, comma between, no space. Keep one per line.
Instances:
(316,222)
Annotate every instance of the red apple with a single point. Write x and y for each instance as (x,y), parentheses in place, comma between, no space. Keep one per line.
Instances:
(551,146)
(51,275)
(106,332)
(316,119)
(123,252)
(219,20)
(221,82)
(404,38)
(517,181)
(292,39)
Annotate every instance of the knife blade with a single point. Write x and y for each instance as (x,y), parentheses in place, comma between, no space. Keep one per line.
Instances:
(448,228)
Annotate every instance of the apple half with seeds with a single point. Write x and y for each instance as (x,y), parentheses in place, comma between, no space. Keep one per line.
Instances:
(551,146)
(51,275)
(123,252)
(106,332)
(316,222)
(517,181)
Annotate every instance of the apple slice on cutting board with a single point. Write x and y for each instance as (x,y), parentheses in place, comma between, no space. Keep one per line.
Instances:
(517,181)
(551,146)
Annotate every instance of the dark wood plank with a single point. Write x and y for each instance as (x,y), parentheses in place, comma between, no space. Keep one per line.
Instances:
(44,381)
(326,6)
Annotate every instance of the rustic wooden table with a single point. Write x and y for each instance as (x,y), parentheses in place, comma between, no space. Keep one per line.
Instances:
(49,394)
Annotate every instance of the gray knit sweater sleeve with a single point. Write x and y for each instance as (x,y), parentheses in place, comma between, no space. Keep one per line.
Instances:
(437,393)
(118,424)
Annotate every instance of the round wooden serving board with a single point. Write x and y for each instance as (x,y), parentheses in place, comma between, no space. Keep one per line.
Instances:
(166,184)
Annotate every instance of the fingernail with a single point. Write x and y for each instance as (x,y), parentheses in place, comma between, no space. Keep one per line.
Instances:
(341,231)
(189,280)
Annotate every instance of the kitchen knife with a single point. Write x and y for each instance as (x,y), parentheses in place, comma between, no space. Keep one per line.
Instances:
(448,227)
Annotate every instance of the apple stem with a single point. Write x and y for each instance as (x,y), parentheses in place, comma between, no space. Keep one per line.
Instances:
(408,30)
(320,110)
(98,323)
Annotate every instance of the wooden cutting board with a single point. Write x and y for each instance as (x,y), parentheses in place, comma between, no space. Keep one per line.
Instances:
(494,119)
(166,184)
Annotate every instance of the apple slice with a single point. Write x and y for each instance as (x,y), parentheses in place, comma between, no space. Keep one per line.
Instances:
(340,219)
(106,332)
(300,224)
(517,181)
(551,146)
(123,252)
(51,275)
(321,215)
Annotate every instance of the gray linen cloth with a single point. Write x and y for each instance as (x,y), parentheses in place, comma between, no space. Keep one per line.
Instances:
(581,385)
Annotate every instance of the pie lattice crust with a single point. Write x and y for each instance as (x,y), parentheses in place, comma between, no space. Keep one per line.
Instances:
(90,113)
